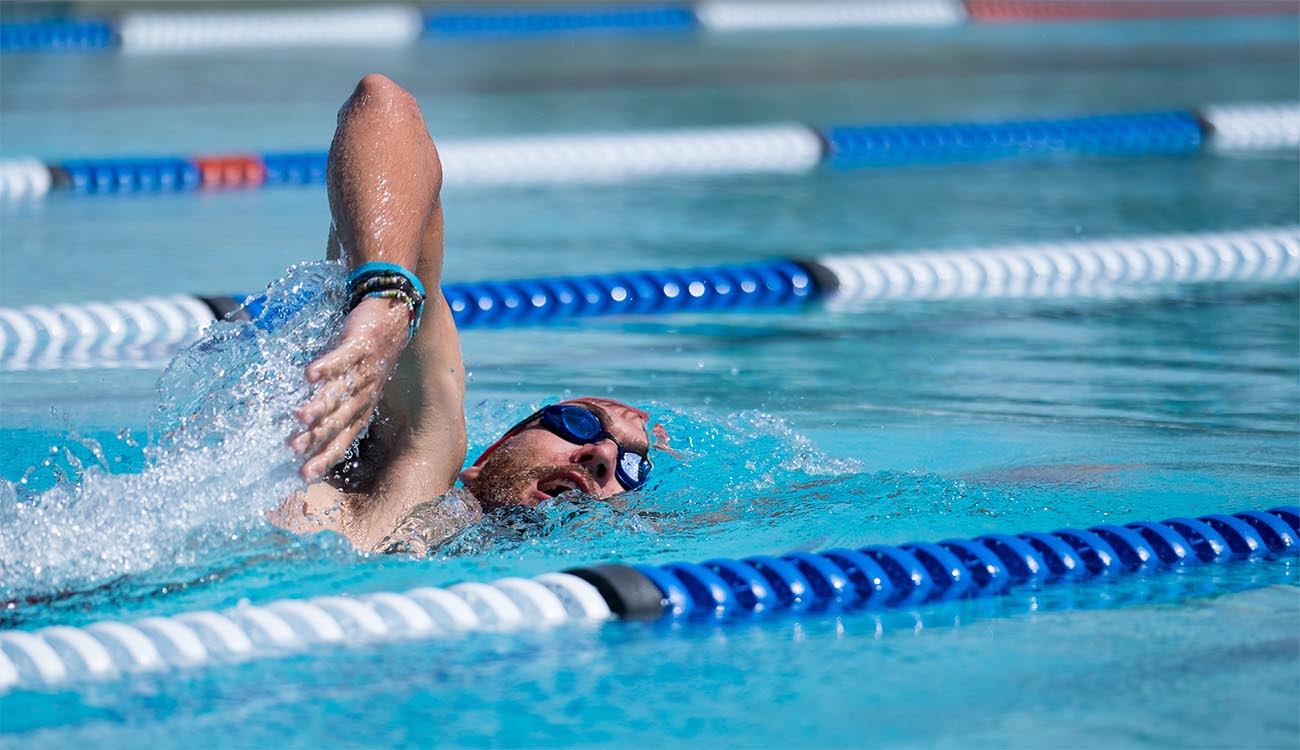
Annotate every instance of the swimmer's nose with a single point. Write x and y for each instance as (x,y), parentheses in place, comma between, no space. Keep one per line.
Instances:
(598,459)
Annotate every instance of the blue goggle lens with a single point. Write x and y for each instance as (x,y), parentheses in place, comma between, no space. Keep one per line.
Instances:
(633,470)
(580,423)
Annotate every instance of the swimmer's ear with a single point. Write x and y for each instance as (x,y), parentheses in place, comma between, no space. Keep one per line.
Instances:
(470,474)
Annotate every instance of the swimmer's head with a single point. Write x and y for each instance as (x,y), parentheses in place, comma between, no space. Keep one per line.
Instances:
(597,446)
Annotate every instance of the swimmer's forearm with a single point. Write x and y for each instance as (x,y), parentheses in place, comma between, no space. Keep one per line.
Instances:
(383,182)
(383,178)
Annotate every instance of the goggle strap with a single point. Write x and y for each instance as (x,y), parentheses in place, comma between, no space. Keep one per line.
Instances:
(508,434)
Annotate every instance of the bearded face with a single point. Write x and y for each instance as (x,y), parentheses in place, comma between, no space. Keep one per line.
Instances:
(515,475)
(534,464)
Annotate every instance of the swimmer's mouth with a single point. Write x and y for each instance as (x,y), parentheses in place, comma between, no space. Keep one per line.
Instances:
(553,485)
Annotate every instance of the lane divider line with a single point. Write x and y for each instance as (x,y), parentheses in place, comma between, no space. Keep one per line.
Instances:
(399,24)
(720,590)
(750,149)
(97,333)
(1065,269)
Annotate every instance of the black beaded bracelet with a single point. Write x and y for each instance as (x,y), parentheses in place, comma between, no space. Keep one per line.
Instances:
(389,281)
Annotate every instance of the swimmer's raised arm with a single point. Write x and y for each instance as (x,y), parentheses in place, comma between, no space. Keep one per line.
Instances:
(383,180)
(393,494)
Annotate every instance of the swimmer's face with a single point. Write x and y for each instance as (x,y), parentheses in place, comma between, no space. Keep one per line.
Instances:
(536,464)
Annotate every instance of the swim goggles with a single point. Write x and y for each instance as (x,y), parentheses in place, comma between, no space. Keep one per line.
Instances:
(581,426)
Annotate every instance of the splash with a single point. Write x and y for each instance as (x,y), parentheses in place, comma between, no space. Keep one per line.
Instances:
(215,462)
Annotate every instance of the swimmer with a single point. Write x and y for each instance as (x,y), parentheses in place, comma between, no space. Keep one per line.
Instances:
(399,352)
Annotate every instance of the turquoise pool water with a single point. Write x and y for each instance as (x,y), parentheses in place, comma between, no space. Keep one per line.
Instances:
(801,430)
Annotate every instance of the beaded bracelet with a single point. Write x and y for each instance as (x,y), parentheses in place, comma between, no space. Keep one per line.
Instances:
(390,281)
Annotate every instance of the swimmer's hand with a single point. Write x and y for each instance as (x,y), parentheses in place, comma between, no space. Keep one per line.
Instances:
(351,379)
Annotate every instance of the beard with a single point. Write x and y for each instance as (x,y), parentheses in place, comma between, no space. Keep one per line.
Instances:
(509,479)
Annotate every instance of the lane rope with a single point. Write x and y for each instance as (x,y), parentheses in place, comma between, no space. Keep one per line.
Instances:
(98,334)
(1066,269)
(24,178)
(721,590)
(389,25)
(751,149)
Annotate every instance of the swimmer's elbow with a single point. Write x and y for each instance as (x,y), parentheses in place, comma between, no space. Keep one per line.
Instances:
(379,97)
(380,91)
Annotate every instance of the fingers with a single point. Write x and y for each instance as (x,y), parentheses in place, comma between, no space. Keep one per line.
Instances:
(332,398)
(325,401)
(326,444)
(351,377)
(333,417)
(375,330)
(334,363)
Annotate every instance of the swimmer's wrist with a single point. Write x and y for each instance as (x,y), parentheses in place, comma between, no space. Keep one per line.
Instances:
(392,282)
(392,316)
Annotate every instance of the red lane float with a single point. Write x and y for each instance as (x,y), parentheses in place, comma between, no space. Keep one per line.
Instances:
(235,171)
(1082,10)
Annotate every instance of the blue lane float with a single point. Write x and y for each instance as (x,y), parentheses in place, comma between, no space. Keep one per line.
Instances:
(499,304)
(127,175)
(720,590)
(573,20)
(765,286)
(1158,133)
(58,35)
(302,168)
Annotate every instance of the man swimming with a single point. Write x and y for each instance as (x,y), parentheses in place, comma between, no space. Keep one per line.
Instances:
(399,351)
